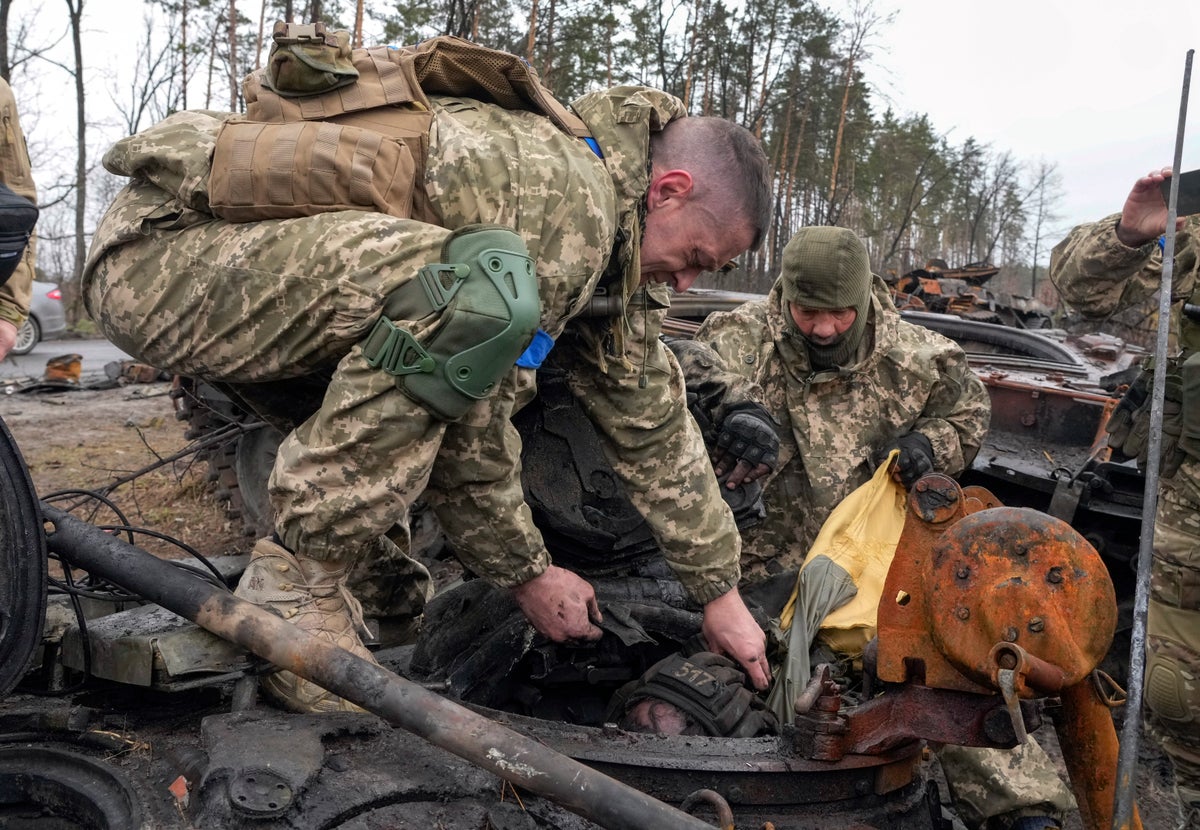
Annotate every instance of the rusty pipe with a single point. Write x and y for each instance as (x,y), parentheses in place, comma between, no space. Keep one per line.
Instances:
(1089,742)
(507,754)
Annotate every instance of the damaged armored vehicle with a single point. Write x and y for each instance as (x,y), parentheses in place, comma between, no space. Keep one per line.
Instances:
(963,292)
(130,680)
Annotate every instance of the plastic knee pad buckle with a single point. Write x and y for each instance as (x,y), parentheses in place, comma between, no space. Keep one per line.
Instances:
(486,290)
(1168,693)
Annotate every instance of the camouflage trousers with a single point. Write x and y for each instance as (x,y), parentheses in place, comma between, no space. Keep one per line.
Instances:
(1172,679)
(275,299)
(992,788)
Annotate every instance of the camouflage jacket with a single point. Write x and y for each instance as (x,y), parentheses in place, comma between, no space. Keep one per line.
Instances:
(1099,275)
(16,173)
(906,378)
(628,383)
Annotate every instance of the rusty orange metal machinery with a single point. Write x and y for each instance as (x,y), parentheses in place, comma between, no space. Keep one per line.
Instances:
(988,599)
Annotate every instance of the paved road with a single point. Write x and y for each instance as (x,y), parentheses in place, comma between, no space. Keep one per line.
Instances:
(95,354)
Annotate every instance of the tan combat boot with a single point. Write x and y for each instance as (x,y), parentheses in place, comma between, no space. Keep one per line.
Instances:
(312,595)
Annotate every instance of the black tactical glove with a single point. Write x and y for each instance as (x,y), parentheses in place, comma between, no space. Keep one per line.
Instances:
(1120,423)
(1135,435)
(747,433)
(916,457)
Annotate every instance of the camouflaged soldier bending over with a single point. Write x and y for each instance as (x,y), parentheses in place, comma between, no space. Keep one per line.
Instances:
(1101,268)
(832,362)
(433,247)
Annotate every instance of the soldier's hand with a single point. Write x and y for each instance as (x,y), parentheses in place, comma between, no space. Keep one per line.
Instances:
(560,604)
(1144,214)
(747,445)
(730,630)
(916,457)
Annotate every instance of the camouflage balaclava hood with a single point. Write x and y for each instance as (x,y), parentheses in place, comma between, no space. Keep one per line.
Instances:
(826,267)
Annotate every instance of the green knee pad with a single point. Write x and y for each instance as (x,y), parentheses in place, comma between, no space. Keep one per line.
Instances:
(486,291)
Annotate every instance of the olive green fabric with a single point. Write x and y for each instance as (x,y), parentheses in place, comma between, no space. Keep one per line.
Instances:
(306,59)
(827,268)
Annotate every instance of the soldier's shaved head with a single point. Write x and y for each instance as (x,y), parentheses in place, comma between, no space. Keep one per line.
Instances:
(728,166)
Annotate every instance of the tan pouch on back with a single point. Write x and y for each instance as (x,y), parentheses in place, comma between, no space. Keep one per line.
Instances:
(337,130)
(280,171)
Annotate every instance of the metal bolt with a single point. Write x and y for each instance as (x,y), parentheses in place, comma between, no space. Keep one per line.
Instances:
(1055,576)
(962,613)
(1010,636)
(963,572)
(1036,625)
(1021,550)
(922,486)
(735,793)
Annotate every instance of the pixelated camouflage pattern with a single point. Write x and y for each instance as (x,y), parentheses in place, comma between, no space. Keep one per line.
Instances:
(16,172)
(992,788)
(654,444)
(1099,275)
(1172,679)
(905,378)
(387,582)
(199,296)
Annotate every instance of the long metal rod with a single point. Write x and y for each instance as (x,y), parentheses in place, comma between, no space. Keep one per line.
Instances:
(501,751)
(1132,728)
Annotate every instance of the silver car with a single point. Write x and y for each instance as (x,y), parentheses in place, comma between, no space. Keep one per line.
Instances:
(47,318)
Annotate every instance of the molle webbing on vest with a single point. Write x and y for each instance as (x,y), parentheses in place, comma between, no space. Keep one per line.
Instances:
(362,145)
(453,66)
(390,77)
(280,171)
(382,82)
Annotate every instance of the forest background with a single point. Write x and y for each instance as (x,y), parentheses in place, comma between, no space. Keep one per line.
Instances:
(789,70)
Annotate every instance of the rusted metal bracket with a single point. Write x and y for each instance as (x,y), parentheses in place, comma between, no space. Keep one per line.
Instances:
(825,731)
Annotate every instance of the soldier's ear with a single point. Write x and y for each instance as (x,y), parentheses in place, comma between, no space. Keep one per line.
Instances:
(671,186)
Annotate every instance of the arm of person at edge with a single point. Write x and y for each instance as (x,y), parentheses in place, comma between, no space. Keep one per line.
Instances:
(1144,215)
(8,338)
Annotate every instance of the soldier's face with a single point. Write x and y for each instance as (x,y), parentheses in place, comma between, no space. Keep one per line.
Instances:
(682,238)
(823,326)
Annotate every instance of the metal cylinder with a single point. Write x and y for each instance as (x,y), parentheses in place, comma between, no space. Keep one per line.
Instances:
(513,757)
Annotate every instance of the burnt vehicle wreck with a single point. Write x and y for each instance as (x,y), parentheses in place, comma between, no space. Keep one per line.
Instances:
(134,703)
(186,745)
(963,292)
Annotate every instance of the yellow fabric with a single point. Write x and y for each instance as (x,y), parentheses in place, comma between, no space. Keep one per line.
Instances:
(860,536)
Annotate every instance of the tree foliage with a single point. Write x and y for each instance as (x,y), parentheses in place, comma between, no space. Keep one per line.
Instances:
(789,70)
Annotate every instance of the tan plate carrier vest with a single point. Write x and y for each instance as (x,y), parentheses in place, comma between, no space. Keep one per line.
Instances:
(360,145)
